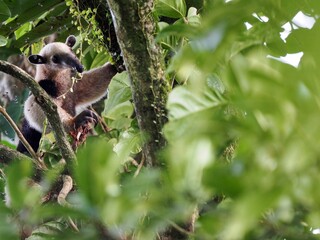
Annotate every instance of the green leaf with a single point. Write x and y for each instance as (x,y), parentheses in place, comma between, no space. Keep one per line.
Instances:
(46,230)
(8,229)
(191,109)
(91,58)
(129,143)
(177,29)
(18,6)
(15,110)
(7,52)
(56,23)
(4,12)
(99,60)
(119,91)
(120,115)
(182,102)
(167,41)
(171,8)
(211,39)
(23,29)
(3,41)
(27,10)
(19,192)
(8,144)
(97,166)
(193,17)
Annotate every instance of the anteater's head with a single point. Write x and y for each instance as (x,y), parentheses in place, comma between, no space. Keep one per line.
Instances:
(58,56)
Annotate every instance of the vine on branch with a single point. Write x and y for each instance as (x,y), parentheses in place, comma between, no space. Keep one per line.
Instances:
(93,20)
(85,21)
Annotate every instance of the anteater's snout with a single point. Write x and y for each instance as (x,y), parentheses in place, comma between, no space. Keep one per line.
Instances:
(79,68)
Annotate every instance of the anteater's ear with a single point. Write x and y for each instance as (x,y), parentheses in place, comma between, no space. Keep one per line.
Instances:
(71,41)
(37,59)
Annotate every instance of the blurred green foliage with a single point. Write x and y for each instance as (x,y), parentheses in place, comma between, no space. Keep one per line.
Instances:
(242,133)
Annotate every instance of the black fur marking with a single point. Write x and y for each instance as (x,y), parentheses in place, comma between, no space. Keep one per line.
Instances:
(31,135)
(56,59)
(71,61)
(37,59)
(71,41)
(50,87)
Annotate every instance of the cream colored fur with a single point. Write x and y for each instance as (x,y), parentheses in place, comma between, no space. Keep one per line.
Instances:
(89,89)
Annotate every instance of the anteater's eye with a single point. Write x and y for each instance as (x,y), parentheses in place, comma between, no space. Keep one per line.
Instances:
(55,59)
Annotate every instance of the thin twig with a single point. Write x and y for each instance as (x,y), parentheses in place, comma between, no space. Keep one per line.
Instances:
(139,167)
(180,229)
(2,174)
(73,225)
(36,160)
(104,126)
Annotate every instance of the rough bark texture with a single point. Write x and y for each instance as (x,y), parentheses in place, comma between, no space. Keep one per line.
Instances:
(49,108)
(135,28)
(7,155)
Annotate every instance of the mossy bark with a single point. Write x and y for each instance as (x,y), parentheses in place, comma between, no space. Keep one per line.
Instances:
(135,29)
(8,155)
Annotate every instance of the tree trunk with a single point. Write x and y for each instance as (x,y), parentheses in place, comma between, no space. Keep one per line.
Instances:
(135,28)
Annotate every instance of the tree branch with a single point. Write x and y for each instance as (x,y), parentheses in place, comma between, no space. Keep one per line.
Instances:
(66,188)
(46,104)
(61,199)
(135,28)
(8,154)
